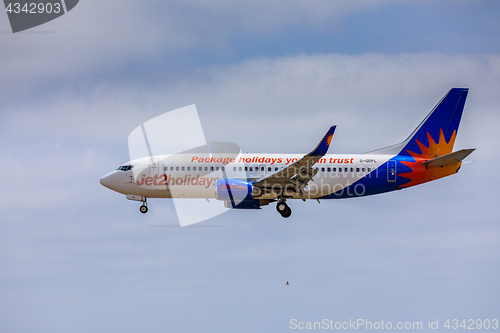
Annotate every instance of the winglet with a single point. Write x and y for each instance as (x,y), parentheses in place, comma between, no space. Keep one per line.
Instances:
(324,144)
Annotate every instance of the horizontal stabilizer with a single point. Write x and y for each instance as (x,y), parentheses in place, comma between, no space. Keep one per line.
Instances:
(449,159)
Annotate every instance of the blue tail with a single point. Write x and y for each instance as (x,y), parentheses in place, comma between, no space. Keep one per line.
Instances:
(436,134)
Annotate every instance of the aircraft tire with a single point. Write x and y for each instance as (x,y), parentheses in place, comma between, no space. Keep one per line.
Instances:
(287,212)
(143,209)
(281,207)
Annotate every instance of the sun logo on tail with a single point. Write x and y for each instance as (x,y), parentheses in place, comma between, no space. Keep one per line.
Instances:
(420,173)
(328,139)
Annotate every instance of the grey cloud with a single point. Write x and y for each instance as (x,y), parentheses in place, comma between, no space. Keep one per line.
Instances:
(365,95)
(105,37)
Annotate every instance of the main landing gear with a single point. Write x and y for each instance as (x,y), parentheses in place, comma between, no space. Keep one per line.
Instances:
(283,209)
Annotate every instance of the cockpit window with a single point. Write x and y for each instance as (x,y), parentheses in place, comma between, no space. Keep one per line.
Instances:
(125,168)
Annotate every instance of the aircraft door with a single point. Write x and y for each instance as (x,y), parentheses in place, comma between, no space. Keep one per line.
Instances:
(154,166)
(391,171)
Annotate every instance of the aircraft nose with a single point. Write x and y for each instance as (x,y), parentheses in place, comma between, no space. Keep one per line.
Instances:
(107,180)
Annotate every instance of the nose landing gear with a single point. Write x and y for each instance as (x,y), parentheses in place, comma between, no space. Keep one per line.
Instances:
(144,208)
(283,209)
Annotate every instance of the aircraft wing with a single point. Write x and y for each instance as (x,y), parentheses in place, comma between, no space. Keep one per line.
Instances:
(296,176)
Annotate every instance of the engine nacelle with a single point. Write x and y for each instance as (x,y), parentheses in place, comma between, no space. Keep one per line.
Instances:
(233,189)
(237,194)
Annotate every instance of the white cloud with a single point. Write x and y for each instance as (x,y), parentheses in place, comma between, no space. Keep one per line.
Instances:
(365,95)
(98,38)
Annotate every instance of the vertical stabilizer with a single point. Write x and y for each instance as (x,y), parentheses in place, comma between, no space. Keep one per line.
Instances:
(435,136)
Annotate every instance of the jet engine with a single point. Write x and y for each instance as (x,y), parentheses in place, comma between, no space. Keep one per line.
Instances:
(237,193)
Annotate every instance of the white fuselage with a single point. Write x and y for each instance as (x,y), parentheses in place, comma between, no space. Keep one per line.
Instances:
(193,176)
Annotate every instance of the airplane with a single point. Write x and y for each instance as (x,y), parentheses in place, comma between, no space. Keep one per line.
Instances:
(250,181)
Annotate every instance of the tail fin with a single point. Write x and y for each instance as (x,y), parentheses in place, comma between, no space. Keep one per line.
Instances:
(435,136)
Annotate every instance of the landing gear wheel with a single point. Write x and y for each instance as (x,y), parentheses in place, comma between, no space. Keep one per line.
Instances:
(143,209)
(283,209)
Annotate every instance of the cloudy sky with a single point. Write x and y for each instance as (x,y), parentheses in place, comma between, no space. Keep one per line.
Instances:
(270,76)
